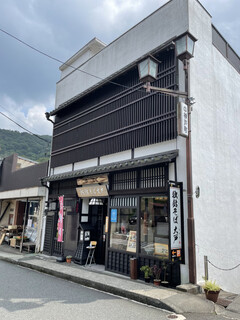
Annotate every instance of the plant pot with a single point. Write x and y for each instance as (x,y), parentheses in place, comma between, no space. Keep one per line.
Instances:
(156,282)
(165,283)
(147,279)
(212,295)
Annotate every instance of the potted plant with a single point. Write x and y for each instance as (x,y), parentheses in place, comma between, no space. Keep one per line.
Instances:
(147,273)
(156,271)
(211,290)
(68,259)
(164,283)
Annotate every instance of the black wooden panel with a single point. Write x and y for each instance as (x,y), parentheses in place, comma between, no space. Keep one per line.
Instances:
(48,241)
(113,119)
(57,247)
(119,262)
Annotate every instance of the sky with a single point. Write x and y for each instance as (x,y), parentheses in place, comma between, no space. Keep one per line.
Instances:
(60,28)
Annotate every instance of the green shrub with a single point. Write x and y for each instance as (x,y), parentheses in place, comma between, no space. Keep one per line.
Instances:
(147,271)
(211,286)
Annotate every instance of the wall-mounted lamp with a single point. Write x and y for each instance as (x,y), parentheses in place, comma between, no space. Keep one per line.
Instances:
(147,69)
(185,46)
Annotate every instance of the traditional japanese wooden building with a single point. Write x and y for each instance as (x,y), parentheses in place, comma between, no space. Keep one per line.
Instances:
(119,156)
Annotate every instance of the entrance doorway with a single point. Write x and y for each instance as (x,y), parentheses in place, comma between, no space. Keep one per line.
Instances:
(20,211)
(98,215)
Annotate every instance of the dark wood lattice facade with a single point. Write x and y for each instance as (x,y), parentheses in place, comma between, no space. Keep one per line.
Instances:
(115,118)
(112,119)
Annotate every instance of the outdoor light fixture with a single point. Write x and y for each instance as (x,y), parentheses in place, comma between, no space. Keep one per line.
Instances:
(185,46)
(95,202)
(148,69)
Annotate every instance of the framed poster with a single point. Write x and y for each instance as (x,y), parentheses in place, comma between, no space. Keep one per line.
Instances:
(161,250)
(113,215)
(132,241)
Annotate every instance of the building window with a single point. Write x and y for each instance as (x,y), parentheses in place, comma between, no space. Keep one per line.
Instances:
(152,177)
(154,238)
(123,233)
(144,178)
(124,180)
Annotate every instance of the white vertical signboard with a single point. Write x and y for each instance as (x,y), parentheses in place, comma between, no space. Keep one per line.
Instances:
(175,218)
(182,119)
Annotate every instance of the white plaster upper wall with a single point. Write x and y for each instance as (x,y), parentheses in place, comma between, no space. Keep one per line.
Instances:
(169,21)
(215,153)
(77,63)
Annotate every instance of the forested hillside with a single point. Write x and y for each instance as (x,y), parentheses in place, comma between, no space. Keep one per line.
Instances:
(25,145)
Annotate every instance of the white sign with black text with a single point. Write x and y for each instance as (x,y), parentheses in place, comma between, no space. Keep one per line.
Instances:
(182,119)
(175,218)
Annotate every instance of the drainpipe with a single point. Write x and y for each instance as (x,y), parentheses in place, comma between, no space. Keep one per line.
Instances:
(190,219)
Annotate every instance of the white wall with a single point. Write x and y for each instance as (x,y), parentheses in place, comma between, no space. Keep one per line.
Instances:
(215,150)
(24,193)
(169,21)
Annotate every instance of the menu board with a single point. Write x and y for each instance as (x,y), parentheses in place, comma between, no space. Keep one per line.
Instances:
(131,245)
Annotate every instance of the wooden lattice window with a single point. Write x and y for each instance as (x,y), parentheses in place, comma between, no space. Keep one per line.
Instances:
(124,180)
(123,202)
(152,178)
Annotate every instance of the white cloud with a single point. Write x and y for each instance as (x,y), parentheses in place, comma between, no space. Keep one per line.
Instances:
(34,120)
(117,16)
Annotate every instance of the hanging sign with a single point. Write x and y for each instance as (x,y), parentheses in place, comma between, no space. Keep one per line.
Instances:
(60,219)
(175,218)
(90,192)
(182,119)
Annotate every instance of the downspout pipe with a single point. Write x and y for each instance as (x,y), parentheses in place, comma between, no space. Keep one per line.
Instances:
(190,219)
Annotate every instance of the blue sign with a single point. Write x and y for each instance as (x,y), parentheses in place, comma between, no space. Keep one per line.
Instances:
(113,215)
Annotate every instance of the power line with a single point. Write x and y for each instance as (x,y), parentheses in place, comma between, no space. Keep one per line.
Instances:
(58,60)
(24,128)
(15,117)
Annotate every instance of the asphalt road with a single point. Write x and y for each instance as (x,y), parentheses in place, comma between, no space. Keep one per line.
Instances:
(27,294)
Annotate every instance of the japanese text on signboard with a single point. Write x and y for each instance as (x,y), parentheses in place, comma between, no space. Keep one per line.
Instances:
(182,119)
(88,192)
(175,216)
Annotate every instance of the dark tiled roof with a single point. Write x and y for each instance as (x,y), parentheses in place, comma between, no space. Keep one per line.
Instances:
(116,166)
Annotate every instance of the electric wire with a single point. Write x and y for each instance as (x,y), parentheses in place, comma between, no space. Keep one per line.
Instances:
(24,128)
(60,61)
(19,121)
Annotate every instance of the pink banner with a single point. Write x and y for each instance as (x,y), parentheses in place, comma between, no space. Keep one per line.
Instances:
(60,219)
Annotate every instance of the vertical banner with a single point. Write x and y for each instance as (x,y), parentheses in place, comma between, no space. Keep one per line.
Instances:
(60,219)
(175,222)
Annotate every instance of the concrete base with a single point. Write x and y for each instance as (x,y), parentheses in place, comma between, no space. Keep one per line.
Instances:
(190,288)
